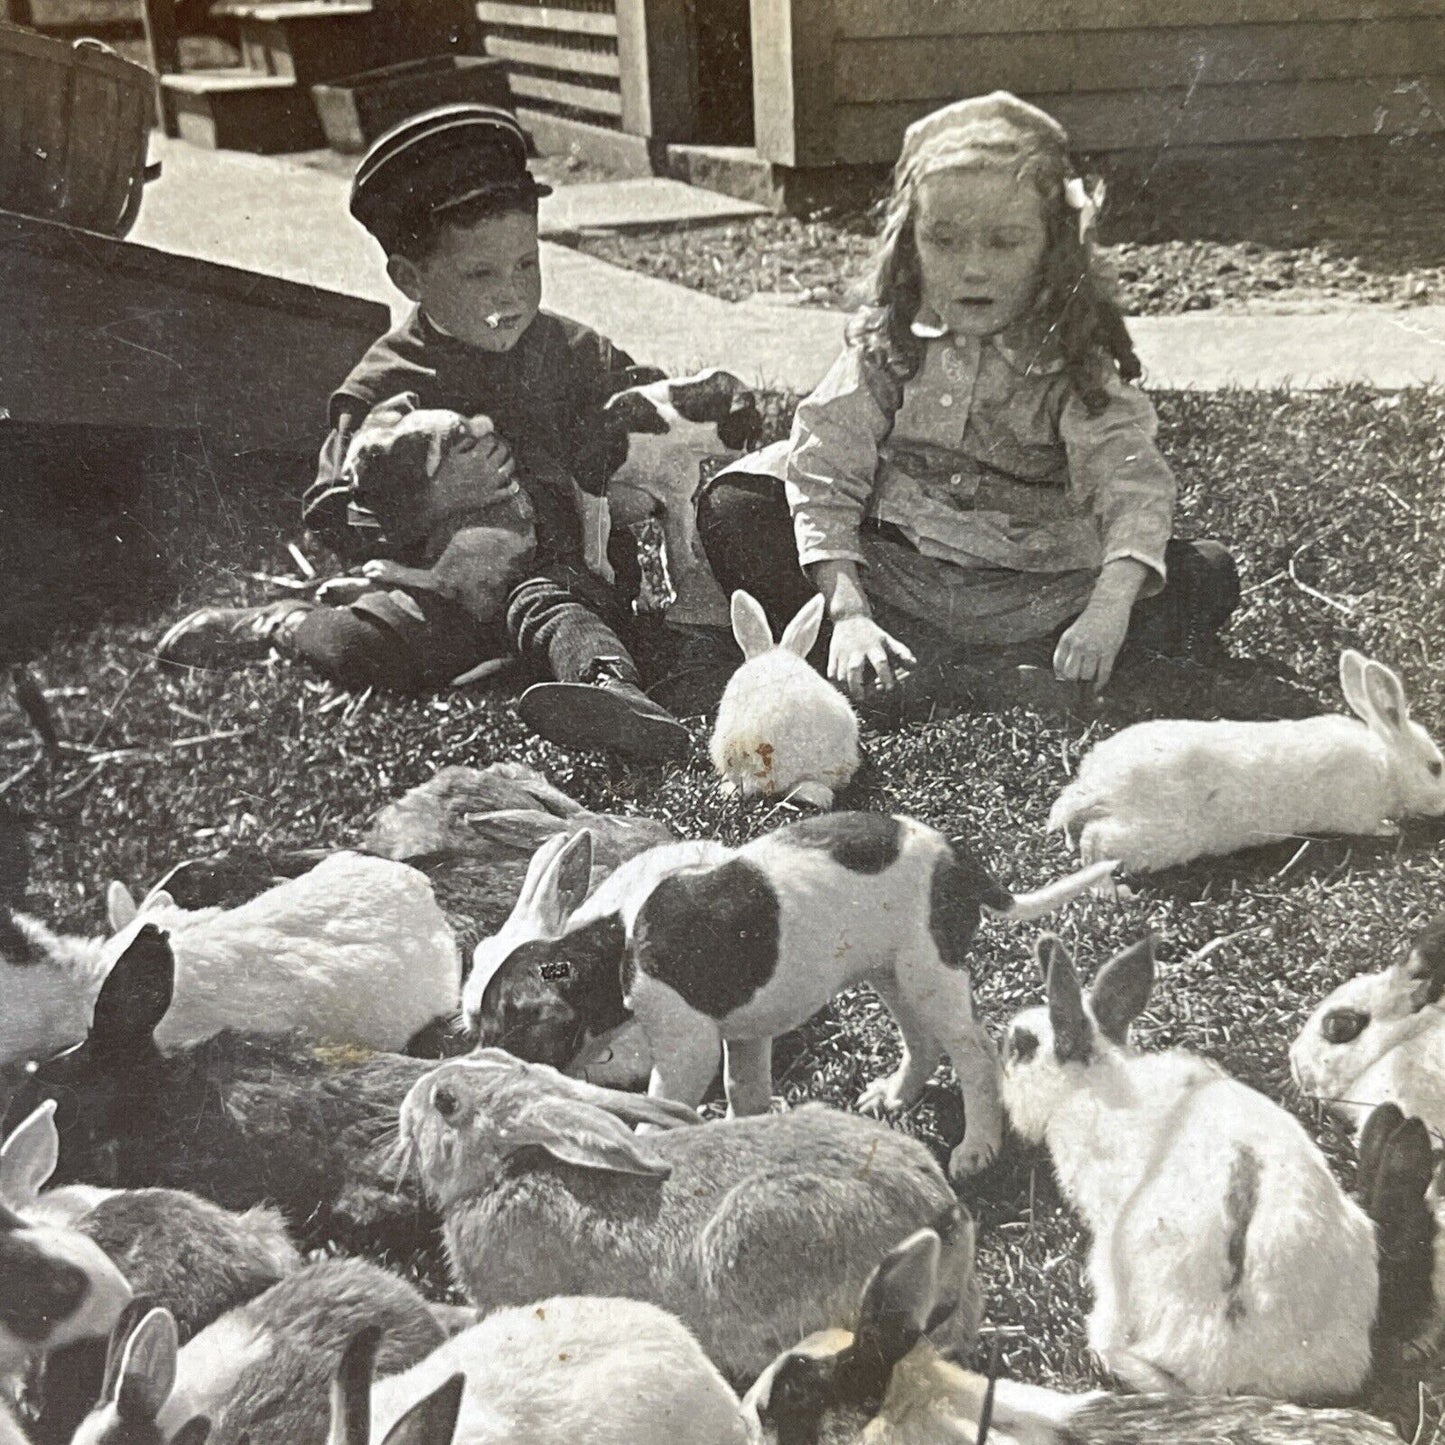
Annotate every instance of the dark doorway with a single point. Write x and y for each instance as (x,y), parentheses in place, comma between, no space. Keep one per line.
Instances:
(724,73)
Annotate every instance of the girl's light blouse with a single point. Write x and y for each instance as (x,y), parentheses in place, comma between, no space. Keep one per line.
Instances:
(991,460)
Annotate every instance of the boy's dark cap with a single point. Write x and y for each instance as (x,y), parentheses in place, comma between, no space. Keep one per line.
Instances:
(439,159)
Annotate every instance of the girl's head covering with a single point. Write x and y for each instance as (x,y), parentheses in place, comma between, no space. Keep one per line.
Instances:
(997,131)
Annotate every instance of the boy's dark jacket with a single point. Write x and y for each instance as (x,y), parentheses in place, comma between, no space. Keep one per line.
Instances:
(544,396)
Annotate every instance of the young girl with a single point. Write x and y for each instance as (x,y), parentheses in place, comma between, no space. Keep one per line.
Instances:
(976,469)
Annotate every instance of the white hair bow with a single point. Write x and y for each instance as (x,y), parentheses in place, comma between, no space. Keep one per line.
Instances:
(1086,201)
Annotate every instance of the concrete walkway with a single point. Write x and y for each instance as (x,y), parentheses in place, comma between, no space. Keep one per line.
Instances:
(286,218)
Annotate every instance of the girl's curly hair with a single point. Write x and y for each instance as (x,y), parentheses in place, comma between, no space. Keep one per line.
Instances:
(1075,303)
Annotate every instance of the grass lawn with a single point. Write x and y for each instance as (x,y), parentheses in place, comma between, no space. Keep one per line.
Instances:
(1335,505)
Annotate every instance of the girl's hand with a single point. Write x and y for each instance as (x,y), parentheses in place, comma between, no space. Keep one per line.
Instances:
(858,644)
(1088,649)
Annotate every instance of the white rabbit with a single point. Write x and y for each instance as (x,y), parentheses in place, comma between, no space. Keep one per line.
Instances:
(1166,792)
(353,952)
(1225,1259)
(1380,1038)
(912,1395)
(572,1370)
(750,1231)
(782,730)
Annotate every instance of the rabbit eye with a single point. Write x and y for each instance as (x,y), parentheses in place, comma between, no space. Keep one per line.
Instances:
(1343,1025)
(1436,768)
(444,1101)
(1022,1045)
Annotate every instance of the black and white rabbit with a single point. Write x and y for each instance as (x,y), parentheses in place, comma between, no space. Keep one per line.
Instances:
(240,1119)
(174,1248)
(745,1229)
(1224,1258)
(1380,1038)
(883,1383)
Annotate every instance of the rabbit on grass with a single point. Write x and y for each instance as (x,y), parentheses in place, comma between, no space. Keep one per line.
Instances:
(746,1229)
(1167,792)
(1224,1258)
(782,731)
(883,1382)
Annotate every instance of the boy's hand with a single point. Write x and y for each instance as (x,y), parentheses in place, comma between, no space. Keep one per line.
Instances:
(858,645)
(1089,647)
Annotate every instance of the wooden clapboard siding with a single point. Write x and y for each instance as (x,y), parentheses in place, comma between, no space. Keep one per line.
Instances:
(837,81)
(929,68)
(1216,115)
(888,19)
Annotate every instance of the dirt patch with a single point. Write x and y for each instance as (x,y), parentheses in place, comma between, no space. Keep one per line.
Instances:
(1304,226)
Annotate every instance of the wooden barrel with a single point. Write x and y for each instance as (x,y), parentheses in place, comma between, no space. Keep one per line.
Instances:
(73,127)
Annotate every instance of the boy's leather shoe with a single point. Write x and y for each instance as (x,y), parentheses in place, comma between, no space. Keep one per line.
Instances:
(228,637)
(605,713)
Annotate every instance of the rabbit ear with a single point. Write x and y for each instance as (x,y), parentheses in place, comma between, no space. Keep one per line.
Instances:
(1396,1197)
(158,897)
(136,992)
(1047,948)
(750,626)
(578,1133)
(1424,967)
(802,632)
(557,880)
(120,906)
(1385,699)
(1121,990)
(1073,1033)
(632,1109)
(351,1389)
(1352,682)
(1383,1121)
(899,1298)
(432,1420)
(29,1156)
(146,1371)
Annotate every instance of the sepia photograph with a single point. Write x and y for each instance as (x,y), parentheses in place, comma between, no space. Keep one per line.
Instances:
(721,722)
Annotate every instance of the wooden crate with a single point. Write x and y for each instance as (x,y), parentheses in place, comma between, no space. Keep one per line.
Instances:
(73,131)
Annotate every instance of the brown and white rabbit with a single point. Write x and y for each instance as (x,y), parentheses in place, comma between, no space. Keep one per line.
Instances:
(746,1229)
(1166,792)
(572,1370)
(883,1383)
(263,1372)
(782,730)
(1380,1038)
(1225,1258)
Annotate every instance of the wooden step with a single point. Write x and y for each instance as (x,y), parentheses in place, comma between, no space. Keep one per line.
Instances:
(240,110)
(308,44)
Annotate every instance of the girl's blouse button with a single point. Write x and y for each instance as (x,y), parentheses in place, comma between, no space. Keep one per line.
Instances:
(956,478)
(946,399)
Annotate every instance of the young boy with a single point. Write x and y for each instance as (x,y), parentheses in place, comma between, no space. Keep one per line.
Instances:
(450,199)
